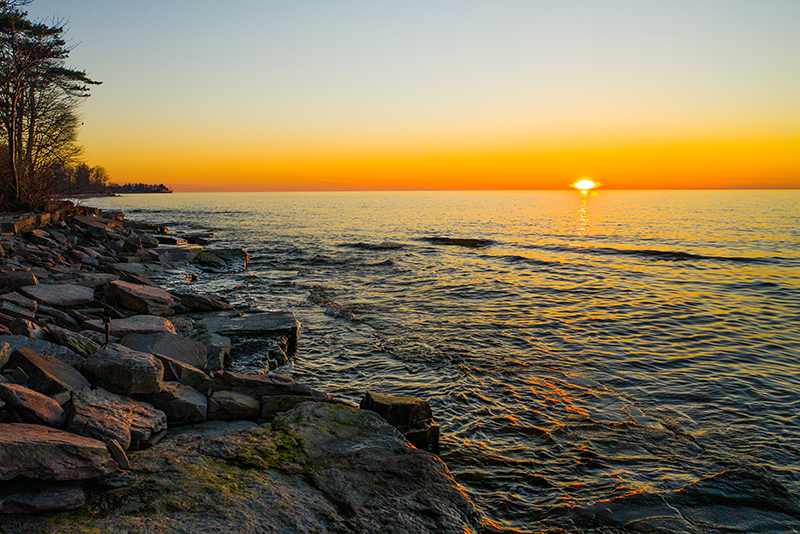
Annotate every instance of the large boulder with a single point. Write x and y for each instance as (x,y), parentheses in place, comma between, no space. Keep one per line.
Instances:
(59,294)
(103,415)
(181,404)
(46,374)
(125,371)
(320,468)
(171,345)
(42,453)
(140,298)
(32,405)
(138,324)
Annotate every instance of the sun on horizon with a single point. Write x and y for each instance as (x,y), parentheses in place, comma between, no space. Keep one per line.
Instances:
(585,184)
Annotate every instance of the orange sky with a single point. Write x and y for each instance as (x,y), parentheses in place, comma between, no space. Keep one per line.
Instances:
(201,95)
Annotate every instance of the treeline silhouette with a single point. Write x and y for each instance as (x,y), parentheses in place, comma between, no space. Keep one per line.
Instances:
(137,188)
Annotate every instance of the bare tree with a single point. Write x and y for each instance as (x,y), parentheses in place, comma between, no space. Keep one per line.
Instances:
(39,97)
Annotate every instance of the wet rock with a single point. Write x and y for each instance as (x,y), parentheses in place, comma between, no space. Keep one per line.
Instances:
(171,345)
(46,374)
(410,415)
(138,324)
(33,406)
(103,415)
(232,406)
(122,370)
(43,453)
(209,259)
(176,253)
(40,497)
(77,342)
(59,294)
(272,323)
(218,349)
(181,404)
(143,299)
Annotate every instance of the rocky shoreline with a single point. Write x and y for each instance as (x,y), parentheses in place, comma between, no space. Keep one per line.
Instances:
(118,412)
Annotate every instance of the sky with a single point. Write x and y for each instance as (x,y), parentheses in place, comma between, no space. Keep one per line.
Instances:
(258,95)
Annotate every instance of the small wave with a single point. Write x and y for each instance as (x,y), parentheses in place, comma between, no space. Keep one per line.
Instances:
(663,255)
(386,245)
(459,242)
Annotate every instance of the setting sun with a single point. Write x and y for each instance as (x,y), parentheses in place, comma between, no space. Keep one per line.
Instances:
(584,184)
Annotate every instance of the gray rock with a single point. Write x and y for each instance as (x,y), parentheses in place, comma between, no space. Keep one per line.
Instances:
(103,415)
(143,299)
(177,253)
(273,405)
(173,346)
(23,327)
(218,349)
(138,324)
(40,497)
(46,374)
(211,428)
(96,280)
(209,259)
(232,406)
(14,310)
(397,410)
(33,406)
(59,294)
(181,404)
(202,303)
(410,415)
(125,371)
(17,279)
(19,300)
(77,342)
(262,385)
(118,453)
(42,453)
(271,323)
(175,371)
(45,348)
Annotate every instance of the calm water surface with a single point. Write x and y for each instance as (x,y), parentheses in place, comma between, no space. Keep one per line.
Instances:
(575,349)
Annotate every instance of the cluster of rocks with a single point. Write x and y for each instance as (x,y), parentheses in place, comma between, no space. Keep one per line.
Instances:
(97,361)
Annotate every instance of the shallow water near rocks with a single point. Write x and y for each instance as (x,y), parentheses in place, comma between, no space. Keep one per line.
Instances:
(586,356)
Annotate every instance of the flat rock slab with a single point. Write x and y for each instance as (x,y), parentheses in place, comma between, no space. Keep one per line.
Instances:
(43,453)
(122,370)
(170,345)
(138,324)
(46,374)
(140,298)
(32,405)
(266,323)
(103,415)
(59,294)
(45,348)
(321,468)
(398,410)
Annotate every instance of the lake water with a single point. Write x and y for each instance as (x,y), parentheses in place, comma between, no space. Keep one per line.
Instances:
(581,353)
